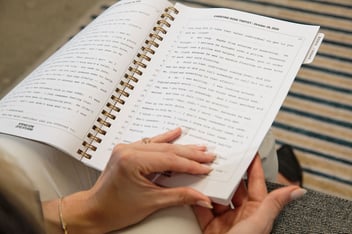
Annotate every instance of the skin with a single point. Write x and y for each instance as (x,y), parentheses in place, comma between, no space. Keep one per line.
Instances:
(123,195)
(255,209)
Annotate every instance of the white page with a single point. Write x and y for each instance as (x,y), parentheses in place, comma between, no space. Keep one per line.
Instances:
(222,75)
(59,102)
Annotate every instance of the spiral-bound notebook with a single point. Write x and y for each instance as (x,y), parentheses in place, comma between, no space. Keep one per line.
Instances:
(144,67)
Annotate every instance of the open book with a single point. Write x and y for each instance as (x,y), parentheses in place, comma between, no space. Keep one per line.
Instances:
(144,67)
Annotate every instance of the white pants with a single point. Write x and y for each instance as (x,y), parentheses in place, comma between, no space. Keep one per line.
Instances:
(56,174)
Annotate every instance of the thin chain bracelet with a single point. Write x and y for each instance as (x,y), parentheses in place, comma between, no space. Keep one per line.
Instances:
(62,221)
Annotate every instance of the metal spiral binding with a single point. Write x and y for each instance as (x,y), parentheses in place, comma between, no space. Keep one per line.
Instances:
(121,92)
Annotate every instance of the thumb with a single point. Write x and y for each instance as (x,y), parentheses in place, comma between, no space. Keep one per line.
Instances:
(277,200)
(183,196)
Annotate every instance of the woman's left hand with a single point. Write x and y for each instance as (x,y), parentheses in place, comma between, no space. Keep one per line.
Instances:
(123,194)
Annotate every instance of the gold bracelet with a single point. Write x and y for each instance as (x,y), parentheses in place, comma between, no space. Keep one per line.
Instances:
(62,222)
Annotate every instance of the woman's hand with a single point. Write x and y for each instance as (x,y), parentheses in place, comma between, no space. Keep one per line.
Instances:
(123,194)
(255,209)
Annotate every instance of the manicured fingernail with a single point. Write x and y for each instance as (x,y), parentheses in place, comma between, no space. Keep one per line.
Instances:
(185,130)
(201,147)
(175,129)
(204,204)
(209,168)
(211,154)
(211,148)
(298,193)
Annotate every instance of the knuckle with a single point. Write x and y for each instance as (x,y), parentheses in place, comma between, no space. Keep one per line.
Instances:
(167,147)
(118,148)
(278,204)
(170,157)
(123,153)
(182,196)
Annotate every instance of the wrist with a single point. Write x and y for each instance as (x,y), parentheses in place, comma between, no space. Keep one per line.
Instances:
(75,212)
(51,217)
(79,214)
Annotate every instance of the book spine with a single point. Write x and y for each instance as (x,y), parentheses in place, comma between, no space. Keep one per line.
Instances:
(130,79)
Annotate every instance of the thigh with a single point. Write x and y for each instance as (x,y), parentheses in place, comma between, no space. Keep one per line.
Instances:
(52,172)
(172,220)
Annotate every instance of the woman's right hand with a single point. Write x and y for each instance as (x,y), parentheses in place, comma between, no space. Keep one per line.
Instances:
(255,209)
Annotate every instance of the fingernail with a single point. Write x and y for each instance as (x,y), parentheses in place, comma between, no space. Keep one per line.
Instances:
(175,129)
(201,147)
(207,167)
(211,148)
(185,130)
(298,193)
(204,204)
(211,155)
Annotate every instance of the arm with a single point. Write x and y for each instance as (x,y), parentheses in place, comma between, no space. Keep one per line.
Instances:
(123,195)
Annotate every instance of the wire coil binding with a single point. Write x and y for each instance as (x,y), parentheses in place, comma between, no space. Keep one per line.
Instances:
(134,70)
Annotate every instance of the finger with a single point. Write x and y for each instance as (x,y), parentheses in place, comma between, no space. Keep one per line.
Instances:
(183,196)
(167,136)
(275,202)
(152,162)
(241,194)
(197,147)
(192,152)
(219,209)
(203,215)
(256,180)
(152,146)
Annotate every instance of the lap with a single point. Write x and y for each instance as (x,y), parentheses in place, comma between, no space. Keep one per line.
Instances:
(55,174)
